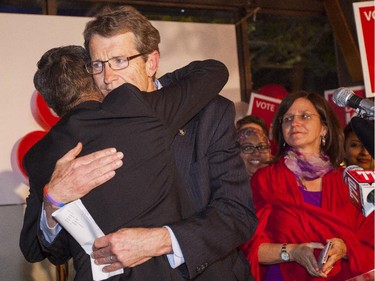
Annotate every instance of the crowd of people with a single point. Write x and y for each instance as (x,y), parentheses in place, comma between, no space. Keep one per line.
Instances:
(198,197)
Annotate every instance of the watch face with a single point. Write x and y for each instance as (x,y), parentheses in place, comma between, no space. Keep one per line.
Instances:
(284,256)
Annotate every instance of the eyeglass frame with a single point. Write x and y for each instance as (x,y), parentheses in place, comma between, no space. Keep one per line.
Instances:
(291,118)
(261,148)
(128,59)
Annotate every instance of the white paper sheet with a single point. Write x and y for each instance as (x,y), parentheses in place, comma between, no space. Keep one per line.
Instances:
(75,218)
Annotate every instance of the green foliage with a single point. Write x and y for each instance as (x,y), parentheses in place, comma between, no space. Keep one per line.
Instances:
(286,42)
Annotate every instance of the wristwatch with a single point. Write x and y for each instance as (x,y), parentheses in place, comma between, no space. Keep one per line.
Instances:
(284,254)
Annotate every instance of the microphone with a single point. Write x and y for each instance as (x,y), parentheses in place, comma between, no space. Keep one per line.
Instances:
(361,188)
(346,97)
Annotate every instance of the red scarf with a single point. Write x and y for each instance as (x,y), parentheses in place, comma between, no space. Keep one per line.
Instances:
(285,218)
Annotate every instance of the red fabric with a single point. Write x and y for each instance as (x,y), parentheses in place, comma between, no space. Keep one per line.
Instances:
(285,218)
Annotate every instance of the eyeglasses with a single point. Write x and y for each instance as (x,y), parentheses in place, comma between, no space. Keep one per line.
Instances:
(248,149)
(287,120)
(116,63)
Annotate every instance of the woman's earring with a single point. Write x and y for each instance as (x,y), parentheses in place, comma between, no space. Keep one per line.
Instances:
(324,139)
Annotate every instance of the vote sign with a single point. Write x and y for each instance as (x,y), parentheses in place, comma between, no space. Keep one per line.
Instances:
(364,15)
(264,107)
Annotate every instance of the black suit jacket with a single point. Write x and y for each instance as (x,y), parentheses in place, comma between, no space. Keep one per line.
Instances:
(142,126)
(223,217)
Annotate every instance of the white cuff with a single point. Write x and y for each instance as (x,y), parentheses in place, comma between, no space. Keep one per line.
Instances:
(177,258)
(49,233)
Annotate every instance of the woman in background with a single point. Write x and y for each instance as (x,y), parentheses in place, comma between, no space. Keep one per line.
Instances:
(255,149)
(252,135)
(355,152)
(302,202)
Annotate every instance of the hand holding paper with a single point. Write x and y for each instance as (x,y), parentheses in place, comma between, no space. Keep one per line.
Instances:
(75,218)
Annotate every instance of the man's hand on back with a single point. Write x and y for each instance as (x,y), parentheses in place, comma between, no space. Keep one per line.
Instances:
(75,177)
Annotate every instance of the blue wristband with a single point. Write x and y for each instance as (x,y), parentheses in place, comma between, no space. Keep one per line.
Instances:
(50,199)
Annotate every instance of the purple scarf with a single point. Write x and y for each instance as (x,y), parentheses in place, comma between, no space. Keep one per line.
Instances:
(306,167)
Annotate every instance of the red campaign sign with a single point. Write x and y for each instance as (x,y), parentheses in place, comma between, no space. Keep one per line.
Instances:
(264,107)
(344,114)
(364,14)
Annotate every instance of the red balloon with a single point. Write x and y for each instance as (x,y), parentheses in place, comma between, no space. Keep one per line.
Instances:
(273,90)
(25,144)
(42,113)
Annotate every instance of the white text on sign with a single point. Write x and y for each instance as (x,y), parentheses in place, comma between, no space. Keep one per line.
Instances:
(265,105)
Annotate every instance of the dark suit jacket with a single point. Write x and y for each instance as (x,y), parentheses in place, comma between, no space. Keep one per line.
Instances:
(223,217)
(142,126)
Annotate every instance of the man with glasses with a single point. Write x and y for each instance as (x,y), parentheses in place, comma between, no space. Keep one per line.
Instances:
(140,125)
(204,245)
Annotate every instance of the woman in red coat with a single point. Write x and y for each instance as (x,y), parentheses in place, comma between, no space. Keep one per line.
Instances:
(302,201)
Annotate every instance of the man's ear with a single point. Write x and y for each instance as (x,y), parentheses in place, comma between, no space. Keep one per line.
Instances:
(152,63)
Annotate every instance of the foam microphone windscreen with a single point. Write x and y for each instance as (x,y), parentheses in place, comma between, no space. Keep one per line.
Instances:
(364,129)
